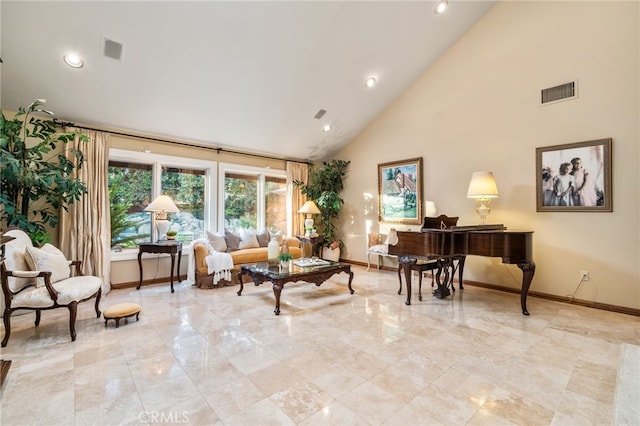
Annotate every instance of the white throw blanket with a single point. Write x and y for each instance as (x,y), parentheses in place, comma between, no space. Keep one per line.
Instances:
(218,264)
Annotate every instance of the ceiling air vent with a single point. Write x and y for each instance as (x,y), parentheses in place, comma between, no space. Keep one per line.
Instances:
(112,49)
(319,114)
(562,92)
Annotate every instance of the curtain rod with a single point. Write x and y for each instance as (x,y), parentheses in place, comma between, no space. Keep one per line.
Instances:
(191,145)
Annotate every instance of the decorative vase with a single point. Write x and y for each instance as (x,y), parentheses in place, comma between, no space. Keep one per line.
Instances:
(284,264)
(171,237)
(331,254)
(273,250)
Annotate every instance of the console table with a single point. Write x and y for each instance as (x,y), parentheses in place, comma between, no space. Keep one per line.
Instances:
(170,247)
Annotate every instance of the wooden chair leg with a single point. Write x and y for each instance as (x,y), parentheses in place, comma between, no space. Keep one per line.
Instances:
(7,326)
(98,303)
(73,312)
(38,315)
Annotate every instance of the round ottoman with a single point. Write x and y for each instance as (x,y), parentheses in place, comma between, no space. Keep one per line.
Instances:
(121,310)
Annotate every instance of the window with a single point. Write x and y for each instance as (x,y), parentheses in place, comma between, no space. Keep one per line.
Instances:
(130,191)
(253,197)
(136,179)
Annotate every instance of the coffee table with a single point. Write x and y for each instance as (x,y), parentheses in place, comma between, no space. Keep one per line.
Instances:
(278,276)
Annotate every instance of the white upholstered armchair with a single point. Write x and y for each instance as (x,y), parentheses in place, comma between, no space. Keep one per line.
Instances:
(40,279)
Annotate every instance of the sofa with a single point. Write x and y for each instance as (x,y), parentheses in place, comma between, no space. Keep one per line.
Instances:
(244,247)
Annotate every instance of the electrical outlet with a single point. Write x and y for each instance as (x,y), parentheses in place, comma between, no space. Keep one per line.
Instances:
(584,275)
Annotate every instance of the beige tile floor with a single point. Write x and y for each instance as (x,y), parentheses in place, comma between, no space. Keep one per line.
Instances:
(209,357)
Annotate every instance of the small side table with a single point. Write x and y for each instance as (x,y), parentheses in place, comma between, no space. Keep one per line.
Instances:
(315,242)
(170,247)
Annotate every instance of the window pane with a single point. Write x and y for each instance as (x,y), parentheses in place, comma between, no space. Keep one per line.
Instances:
(240,201)
(130,192)
(275,203)
(186,188)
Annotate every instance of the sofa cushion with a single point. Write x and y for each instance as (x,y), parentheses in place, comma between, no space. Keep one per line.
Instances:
(250,255)
(263,237)
(248,239)
(232,240)
(69,290)
(48,259)
(217,241)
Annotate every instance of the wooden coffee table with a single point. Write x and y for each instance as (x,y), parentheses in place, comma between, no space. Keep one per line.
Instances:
(278,276)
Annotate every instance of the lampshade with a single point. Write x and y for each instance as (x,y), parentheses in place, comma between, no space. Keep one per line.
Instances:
(309,208)
(482,185)
(162,204)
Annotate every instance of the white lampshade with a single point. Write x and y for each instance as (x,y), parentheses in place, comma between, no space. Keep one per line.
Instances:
(483,188)
(161,206)
(482,185)
(309,208)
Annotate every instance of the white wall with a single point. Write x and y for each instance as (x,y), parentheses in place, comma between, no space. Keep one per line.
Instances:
(477,108)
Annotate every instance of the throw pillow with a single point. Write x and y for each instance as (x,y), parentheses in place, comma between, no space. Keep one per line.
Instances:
(263,238)
(232,240)
(48,259)
(248,239)
(217,241)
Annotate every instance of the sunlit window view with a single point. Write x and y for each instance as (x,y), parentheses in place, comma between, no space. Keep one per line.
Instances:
(242,207)
(186,187)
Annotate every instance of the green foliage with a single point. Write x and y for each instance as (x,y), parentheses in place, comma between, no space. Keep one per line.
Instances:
(284,257)
(324,187)
(32,174)
(240,204)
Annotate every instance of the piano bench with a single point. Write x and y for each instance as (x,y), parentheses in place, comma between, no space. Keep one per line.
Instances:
(422,266)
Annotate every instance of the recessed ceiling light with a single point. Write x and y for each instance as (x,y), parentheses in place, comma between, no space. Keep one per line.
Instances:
(370,82)
(73,60)
(326,128)
(441,6)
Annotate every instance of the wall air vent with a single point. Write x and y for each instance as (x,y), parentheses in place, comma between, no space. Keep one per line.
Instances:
(112,49)
(559,93)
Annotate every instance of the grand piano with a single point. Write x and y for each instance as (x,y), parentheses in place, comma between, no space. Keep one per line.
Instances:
(447,245)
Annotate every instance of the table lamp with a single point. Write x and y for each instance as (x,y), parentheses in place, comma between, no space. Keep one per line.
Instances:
(161,206)
(309,208)
(483,188)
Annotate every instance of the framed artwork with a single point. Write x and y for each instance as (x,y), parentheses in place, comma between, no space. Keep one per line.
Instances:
(400,191)
(574,177)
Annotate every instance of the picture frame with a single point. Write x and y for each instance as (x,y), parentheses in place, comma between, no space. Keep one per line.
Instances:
(400,191)
(563,186)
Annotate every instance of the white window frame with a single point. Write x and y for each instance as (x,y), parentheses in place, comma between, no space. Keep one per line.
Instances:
(157,161)
(260,173)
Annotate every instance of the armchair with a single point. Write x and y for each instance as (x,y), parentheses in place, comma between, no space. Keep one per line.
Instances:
(40,279)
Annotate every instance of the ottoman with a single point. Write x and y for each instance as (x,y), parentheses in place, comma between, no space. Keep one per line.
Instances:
(121,310)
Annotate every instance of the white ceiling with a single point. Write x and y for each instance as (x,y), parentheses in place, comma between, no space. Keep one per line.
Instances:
(247,76)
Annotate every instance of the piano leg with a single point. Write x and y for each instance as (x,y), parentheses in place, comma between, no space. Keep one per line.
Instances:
(460,260)
(406,262)
(528,269)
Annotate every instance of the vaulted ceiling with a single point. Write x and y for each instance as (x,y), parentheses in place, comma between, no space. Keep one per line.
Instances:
(241,75)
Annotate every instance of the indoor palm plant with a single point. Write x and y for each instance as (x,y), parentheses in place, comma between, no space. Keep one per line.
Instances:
(37,180)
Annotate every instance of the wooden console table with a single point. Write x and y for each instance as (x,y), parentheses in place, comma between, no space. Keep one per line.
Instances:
(170,247)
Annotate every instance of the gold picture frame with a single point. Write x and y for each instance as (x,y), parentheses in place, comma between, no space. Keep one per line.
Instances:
(400,191)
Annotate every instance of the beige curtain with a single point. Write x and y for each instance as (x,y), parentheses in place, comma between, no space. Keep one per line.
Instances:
(295,200)
(85,230)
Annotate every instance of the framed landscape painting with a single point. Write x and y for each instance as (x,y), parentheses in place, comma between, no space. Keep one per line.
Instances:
(400,191)
(574,177)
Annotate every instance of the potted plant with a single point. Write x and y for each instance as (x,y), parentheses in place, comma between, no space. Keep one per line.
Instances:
(284,259)
(171,235)
(36,180)
(324,187)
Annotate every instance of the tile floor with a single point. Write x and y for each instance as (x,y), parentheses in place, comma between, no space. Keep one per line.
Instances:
(209,357)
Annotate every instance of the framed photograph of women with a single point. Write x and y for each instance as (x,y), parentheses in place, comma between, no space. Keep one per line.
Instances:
(574,177)
(400,191)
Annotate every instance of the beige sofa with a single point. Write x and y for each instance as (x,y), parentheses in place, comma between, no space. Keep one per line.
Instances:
(240,257)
